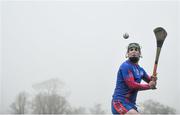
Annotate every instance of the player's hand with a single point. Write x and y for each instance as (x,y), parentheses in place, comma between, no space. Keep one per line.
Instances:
(154,77)
(152,84)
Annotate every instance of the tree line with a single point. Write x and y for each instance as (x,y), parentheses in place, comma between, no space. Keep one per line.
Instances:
(50,99)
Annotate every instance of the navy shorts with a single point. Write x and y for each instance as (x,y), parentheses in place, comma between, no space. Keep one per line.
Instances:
(119,107)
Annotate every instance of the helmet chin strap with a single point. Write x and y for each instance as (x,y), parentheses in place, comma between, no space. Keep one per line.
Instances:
(134,59)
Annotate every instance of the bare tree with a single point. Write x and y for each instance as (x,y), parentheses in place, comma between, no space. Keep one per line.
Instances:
(97,109)
(49,99)
(19,106)
(79,110)
(51,86)
(153,107)
(38,104)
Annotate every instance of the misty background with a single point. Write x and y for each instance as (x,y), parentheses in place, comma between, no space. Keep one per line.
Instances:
(81,43)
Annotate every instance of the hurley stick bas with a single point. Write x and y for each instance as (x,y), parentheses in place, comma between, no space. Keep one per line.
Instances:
(160,34)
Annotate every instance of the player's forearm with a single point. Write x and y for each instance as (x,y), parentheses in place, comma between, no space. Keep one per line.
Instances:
(136,86)
(147,79)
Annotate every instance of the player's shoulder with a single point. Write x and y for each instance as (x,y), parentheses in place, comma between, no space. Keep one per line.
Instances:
(141,68)
(125,64)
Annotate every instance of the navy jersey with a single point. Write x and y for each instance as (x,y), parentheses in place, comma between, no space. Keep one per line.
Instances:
(128,82)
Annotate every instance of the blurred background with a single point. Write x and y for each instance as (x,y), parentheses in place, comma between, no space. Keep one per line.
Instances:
(62,56)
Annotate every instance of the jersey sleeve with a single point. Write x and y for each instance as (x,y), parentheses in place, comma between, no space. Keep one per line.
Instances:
(129,79)
(145,76)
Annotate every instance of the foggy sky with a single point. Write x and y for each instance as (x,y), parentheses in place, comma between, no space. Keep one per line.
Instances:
(81,44)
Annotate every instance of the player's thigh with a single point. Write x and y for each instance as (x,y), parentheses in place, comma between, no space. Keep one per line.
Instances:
(132,111)
(118,107)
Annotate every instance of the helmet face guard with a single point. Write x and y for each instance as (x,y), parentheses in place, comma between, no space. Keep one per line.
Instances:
(134,45)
